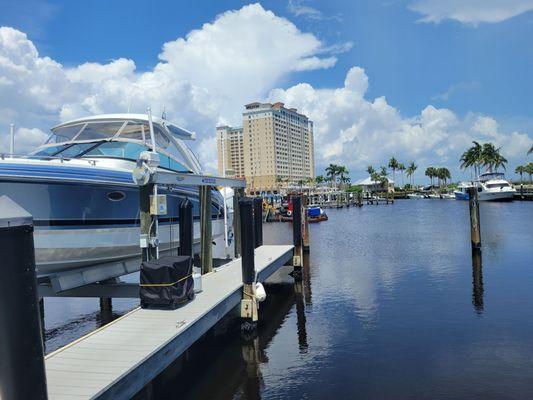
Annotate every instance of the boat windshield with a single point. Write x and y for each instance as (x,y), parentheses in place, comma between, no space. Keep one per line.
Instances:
(105,149)
(497,185)
(491,175)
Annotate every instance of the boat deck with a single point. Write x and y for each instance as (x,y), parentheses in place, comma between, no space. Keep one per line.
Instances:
(119,359)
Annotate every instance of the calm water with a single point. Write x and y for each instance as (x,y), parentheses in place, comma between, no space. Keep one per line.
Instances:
(391,309)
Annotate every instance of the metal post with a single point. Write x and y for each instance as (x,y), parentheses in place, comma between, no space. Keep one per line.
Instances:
(147,227)
(223,141)
(186,228)
(305,227)
(248,303)
(258,221)
(297,234)
(22,372)
(206,250)
(238,194)
(475,232)
(12,139)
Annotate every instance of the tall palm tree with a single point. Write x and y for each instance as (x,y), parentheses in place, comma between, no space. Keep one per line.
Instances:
(401,168)
(393,165)
(342,171)
(370,169)
(491,157)
(529,170)
(331,172)
(410,171)
(319,179)
(521,169)
(383,171)
(472,158)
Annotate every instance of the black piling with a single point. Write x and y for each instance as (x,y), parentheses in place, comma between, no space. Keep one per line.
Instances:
(22,373)
(248,305)
(297,236)
(238,194)
(475,232)
(186,228)
(258,221)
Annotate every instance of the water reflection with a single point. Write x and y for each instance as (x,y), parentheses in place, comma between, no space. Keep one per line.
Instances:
(477,281)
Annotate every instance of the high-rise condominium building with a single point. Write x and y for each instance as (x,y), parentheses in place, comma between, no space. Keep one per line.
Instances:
(230,144)
(277,146)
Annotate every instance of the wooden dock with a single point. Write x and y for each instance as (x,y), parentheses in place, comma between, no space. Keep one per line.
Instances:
(119,359)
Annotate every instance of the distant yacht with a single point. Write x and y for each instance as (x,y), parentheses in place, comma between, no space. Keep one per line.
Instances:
(491,186)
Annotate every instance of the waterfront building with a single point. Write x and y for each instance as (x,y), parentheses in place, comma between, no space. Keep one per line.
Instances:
(277,147)
(370,186)
(230,151)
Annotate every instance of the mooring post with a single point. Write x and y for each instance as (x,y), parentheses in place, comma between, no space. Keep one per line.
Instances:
(297,235)
(106,309)
(248,303)
(238,194)
(186,228)
(477,280)
(475,232)
(22,372)
(206,249)
(305,226)
(258,221)
(147,228)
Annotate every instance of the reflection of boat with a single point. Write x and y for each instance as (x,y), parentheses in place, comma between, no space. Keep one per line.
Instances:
(78,187)
(491,186)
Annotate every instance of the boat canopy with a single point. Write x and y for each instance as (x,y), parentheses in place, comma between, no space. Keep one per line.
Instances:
(119,128)
(491,176)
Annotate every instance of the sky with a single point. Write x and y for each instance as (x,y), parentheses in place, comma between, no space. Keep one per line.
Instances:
(414,79)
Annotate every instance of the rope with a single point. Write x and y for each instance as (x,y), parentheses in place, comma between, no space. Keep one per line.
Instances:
(164,284)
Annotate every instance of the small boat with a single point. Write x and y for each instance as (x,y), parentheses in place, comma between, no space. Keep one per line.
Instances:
(78,187)
(434,196)
(448,196)
(415,196)
(491,186)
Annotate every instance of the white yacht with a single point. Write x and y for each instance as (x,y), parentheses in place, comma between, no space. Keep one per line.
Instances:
(491,186)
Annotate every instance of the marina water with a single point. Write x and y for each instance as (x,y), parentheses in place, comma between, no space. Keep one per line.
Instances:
(392,309)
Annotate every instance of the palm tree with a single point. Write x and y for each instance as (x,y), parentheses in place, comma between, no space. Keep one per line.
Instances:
(430,172)
(410,171)
(521,169)
(319,179)
(529,170)
(383,171)
(491,157)
(370,169)
(393,164)
(472,158)
(401,168)
(443,174)
(332,172)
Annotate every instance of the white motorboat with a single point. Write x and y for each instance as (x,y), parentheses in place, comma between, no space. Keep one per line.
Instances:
(78,187)
(491,186)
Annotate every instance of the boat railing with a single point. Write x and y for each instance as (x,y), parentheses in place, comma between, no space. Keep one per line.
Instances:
(4,156)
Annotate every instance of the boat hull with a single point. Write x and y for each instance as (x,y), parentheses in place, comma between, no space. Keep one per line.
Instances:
(87,221)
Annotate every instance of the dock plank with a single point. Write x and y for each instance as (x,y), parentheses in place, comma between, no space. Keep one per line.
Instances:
(117,360)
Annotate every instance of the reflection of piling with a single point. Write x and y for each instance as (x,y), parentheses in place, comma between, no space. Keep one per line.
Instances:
(475,233)
(22,372)
(300,317)
(306,276)
(477,281)
(252,383)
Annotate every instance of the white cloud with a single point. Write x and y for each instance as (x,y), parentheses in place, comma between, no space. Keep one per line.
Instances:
(456,87)
(201,79)
(470,12)
(355,131)
(298,9)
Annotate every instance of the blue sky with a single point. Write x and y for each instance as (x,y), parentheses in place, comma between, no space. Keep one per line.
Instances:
(465,63)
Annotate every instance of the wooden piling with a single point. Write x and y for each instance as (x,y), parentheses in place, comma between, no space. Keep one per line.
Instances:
(238,194)
(475,232)
(297,235)
(305,226)
(206,234)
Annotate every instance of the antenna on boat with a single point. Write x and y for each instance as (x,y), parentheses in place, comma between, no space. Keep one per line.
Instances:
(164,113)
(151,125)
(12,139)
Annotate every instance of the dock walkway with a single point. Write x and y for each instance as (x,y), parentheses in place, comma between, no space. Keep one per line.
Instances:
(119,359)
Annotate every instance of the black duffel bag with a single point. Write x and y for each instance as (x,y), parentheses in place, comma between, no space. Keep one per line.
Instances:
(166,283)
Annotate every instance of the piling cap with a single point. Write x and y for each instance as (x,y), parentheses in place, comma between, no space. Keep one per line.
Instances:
(11,214)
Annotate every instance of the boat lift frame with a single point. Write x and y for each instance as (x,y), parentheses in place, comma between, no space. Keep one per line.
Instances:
(102,280)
